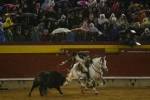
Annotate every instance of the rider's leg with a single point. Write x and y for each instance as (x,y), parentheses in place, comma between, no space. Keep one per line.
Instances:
(83,65)
(87,73)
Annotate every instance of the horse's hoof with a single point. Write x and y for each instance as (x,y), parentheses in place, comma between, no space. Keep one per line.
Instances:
(85,89)
(96,93)
(104,82)
(29,95)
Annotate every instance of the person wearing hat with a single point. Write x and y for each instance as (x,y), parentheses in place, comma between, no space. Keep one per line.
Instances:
(79,58)
(2,35)
(63,22)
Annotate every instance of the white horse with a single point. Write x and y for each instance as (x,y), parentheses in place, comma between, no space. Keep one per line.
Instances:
(95,71)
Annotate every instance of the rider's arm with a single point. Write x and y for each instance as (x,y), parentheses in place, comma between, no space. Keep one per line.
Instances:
(64,62)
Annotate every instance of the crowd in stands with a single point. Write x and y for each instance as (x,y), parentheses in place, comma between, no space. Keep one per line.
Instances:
(101,20)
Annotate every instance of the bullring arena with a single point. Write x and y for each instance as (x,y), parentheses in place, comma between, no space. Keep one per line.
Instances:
(127,78)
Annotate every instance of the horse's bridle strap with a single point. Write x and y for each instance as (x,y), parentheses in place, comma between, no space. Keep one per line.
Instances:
(95,69)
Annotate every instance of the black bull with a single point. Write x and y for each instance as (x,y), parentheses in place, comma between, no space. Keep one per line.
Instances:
(48,79)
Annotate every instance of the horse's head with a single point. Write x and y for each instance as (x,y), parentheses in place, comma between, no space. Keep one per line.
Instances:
(100,62)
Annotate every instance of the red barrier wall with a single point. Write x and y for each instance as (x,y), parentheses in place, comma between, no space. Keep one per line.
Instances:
(128,62)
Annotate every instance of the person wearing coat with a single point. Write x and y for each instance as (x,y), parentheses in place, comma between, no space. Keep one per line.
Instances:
(145,36)
(2,35)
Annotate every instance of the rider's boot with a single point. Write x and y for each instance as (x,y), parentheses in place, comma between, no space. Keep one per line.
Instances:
(88,75)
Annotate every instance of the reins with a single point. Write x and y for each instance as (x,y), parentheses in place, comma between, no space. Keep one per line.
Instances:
(95,69)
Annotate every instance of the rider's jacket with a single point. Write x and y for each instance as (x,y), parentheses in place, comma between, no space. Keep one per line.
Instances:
(81,55)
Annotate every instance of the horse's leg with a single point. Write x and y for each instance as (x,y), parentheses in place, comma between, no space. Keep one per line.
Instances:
(94,88)
(102,81)
(82,85)
(77,77)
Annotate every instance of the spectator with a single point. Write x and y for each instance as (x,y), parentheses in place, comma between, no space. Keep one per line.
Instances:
(113,32)
(121,19)
(7,23)
(66,7)
(50,13)
(129,40)
(52,3)
(46,9)
(115,8)
(80,19)
(146,22)
(41,27)
(94,11)
(57,6)
(70,37)
(104,36)
(122,32)
(35,35)
(45,3)
(80,36)
(25,8)
(55,37)
(141,29)
(126,23)
(63,22)
(104,9)
(45,36)
(72,21)
(85,26)
(2,35)
(19,37)
(132,27)
(59,13)
(93,2)
(32,6)
(141,16)
(27,36)
(133,18)
(102,19)
(145,36)
(100,5)
(94,32)
(62,52)
(93,28)
(9,35)
(91,18)
(110,18)
(37,9)
(104,27)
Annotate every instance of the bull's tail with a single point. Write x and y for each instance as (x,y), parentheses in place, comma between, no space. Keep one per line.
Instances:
(69,78)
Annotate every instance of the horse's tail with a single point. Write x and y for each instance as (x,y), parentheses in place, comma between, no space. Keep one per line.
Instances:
(69,78)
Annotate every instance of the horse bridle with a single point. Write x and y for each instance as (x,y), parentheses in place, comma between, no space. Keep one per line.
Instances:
(97,67)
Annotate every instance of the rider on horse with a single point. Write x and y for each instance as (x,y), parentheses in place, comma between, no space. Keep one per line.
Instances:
(80,57)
